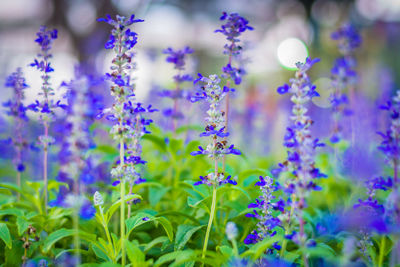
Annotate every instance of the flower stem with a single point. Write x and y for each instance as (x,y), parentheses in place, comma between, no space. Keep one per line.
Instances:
(235,248)
(302,233)
(45,156)
(19,185)
(77,241)
(104,223)
(212,212)
(75,219)
(382,251)
(122,218)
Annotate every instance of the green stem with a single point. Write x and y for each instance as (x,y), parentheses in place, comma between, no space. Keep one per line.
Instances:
(104,223)
(284,243)
(212,212)
(122,218)
(235,248)
(77,241)
(382,251)
(45,179)
(287,230)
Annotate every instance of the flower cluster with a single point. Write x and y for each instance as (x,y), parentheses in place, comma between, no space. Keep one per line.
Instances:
(372,185)
(234,26)
(126,111)
(77,139)
(81,204)
(301,146)
(231,231)
(212,92)
(343,75)
(264,204)
(17,110)
(348,39)
(45,106)
(178,59)
(390,144)
(218,179)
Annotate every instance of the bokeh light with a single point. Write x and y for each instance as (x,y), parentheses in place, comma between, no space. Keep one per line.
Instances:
(290,51)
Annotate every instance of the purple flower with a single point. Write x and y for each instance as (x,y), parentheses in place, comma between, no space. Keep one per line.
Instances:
(212,92)
(17,110)
(177,57)
(234,26)
(126,112)
(343,75)
(87,211)
(262,210)
(390,144)
(348,38)
(283,89)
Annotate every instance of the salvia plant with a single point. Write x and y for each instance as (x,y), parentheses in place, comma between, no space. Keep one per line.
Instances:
(343,76)
(45,105)
(77,190)
(178,58)
(17,110)
(233,27)
(301,151)
(213,93)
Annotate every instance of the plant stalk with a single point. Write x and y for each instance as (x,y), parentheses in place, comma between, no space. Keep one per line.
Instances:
(45,156)
(382,251)
(122,218)
(209,226)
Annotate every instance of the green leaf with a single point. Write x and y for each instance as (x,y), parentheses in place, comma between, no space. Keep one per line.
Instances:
(13,256)
(227,189)
(183,234)
(5,235)
(136,221)
(135,255)
(15,212)
(5,191)
(178,213)
(156,140)
(56,236)
(259,249)
(108,152)
(167,227)
(193,127)
(100,252)
(158,240)
(227,251)
(12,187)
(155,194)
(22,225)
(321,250)
(178,256)
(109,213)
(53,184)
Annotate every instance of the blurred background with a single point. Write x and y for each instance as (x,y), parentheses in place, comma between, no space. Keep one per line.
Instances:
(286,31)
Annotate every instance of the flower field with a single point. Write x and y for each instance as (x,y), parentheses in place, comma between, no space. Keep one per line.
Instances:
(209,167)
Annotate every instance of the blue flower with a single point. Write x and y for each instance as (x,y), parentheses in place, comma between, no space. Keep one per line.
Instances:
(283,89)
(177,57)
(87,211)
(17,110)
(348,37)
(262,210)
(234,26)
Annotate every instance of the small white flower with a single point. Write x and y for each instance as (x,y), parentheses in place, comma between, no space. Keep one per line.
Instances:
(231,231)
(98,199)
